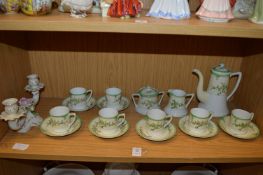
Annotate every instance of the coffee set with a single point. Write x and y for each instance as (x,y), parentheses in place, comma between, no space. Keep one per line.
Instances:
(156,125)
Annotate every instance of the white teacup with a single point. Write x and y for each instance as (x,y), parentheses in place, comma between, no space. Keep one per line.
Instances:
(199,119)
(157,120)
(79,97)
(240,119)
(113,97)
(11,106)
(62,119)
(109,119)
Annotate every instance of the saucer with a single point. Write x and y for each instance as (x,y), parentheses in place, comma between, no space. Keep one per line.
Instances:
(45,130)
(102,103)
(90,104)
(97,130)
(252,132)
(212,129)
(141,128)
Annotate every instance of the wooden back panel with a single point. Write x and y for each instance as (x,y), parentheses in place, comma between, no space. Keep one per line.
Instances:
(14,66)
(249,96)
(129,61)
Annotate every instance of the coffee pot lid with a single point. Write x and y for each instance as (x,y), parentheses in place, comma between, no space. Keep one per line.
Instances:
(148,91)
(221,70)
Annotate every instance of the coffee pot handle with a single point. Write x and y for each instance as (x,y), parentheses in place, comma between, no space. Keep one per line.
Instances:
(162,94)
(169,121)
(89,92)
(123,119)
(191,98)
(133,99)
(239,74)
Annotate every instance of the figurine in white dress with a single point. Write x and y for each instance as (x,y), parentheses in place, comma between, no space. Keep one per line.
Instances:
(215,11)
(170,9)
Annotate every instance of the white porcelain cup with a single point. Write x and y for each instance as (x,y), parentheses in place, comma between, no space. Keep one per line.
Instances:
(157,119)
(240,119)
(109,119)
(199,119)
(79,97)
(11,106)
(62,119)
(113,97)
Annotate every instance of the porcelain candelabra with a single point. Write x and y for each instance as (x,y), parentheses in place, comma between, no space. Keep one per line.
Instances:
(23,117)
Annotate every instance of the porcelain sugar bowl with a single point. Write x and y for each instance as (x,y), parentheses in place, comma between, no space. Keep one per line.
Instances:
(148,99)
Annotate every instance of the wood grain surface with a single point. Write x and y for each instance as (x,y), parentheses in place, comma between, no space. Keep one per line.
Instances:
(83,146)
(57,21)
(130,72)
(15,167)
(14,66)
(250,94)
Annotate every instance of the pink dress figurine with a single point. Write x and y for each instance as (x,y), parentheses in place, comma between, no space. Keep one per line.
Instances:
(215,11)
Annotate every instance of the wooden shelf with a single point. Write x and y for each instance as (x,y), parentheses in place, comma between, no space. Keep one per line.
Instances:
(83,146)
(57,21)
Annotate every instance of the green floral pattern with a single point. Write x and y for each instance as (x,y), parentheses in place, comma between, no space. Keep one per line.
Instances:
(75,101)
(198,124)
(53,123)
(148,103)
(175,104)
(219,89)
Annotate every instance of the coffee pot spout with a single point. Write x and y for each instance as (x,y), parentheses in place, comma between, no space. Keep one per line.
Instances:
(201,94)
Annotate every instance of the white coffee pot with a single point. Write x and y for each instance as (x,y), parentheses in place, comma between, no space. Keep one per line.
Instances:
(216,97)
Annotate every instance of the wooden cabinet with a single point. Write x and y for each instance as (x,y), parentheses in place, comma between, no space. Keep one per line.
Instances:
(98,53)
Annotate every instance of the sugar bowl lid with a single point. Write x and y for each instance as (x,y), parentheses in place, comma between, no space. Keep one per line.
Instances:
(148,91)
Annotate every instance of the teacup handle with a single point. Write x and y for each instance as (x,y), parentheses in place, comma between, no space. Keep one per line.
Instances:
(170,118)
(72,115)
(211,116)
(191,98)
(123,119)
(89,92)
(251,116)
(162,94)
(133,98)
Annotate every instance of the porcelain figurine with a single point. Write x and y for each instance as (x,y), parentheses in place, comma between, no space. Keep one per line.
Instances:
(36,7)
(104,8)
(2,7)
(96,7)
(257,16)
(244,8)
(170,9)
(125,8)
(77,8)
(148,99)
(215,11)
(216,97)
(9,6)
(232,2)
